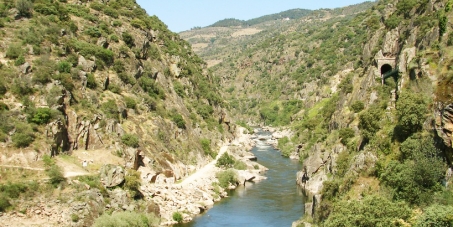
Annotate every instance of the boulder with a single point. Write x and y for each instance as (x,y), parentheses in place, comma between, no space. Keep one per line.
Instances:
(111,175)
(87,65)
(25,68)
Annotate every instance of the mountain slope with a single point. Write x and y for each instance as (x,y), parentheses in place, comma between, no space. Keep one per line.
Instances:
(367,98)
(103,83)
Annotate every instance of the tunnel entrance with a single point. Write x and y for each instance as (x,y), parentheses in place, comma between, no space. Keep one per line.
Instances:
(386,68)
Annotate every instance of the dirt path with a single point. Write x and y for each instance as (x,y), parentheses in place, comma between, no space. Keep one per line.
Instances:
(207,170)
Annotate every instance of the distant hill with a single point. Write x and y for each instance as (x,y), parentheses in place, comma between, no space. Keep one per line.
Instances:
(291,14)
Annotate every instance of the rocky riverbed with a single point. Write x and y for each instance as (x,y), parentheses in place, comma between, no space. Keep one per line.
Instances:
(198,192)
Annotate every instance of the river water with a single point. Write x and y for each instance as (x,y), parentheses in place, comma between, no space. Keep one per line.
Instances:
(276,201)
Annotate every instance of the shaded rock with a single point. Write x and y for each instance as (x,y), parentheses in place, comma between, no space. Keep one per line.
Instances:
(87,65)
(25,68)
(111,175)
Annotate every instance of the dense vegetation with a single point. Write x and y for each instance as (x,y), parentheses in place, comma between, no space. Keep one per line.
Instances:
(291,14)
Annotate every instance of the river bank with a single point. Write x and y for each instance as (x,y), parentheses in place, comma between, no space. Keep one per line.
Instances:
(199,191)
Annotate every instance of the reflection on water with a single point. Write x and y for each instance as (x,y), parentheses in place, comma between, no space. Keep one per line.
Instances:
(276,201)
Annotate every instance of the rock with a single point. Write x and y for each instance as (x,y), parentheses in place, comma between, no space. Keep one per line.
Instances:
(444,125)
(25,68)
(87,65)
(111,175)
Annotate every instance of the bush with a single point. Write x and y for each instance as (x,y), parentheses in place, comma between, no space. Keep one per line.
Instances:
(64,67)
(206,146)
(225,161)
(4,202)
(177,217)
(345,135)
(23,136)
(41,116)
(130,140)
(132,183)
(226,177)
(178,120)
(130,102)
(55,174)
(110,109)
(14,51)
(74,217)
(126,219)
(19,61)
(128,39)
(24,7)
(357,106)
(371,211)
(411,110)
(91,81)
(436,216)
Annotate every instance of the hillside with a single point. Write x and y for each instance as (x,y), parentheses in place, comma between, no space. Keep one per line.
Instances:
(84,84)
(367,95)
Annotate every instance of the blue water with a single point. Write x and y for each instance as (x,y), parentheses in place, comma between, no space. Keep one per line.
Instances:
(276,201)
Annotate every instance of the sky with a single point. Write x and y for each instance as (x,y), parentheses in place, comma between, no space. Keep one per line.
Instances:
(182,15)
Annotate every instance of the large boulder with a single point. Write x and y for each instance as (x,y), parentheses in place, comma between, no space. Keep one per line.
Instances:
(111,175)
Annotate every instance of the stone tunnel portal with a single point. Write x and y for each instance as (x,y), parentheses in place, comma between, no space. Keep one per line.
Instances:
(386,68)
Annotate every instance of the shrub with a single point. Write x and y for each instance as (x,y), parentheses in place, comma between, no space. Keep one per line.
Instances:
(132,183)
(23,136)
(371,211)
(93,32)
(55,174)
(178,120)
(177,217)
(41,116)
(436,216)
(74,217)
(128,39)
(357,106)
(130,102)
(206,146)
(130,140)
(411,110)
(240,165)
(114,38)
(19,61)
(225,161)
(14,51)
(64,67)
(226,177)
(111,12)
(346,134)
(4,202)
(24,7)
(205,111)
(91,81)
(110,109)
(125,219)
(369,122)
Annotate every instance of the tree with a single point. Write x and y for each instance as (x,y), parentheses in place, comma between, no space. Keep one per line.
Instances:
(24,7)
(436,216)
(411,112)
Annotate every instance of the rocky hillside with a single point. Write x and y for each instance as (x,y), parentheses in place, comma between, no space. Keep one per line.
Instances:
(367,96)
(90,83)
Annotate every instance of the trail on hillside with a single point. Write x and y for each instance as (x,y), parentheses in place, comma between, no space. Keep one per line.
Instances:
(206,170)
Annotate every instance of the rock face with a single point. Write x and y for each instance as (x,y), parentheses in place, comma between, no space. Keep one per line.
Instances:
(111,175)
(444,128)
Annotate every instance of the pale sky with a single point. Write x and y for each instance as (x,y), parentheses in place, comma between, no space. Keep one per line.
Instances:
(182,15)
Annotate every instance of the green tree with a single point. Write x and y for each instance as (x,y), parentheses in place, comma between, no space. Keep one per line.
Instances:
(411,110)
(436,216)
(371,211)
(369,122)
(24,7)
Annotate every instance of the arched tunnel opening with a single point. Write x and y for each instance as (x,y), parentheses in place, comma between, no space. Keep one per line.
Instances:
(385,69)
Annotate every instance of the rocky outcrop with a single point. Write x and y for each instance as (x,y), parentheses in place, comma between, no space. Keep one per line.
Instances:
(444,128)
(111,175)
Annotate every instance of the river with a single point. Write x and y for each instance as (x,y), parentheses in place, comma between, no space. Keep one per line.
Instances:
(276,201)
